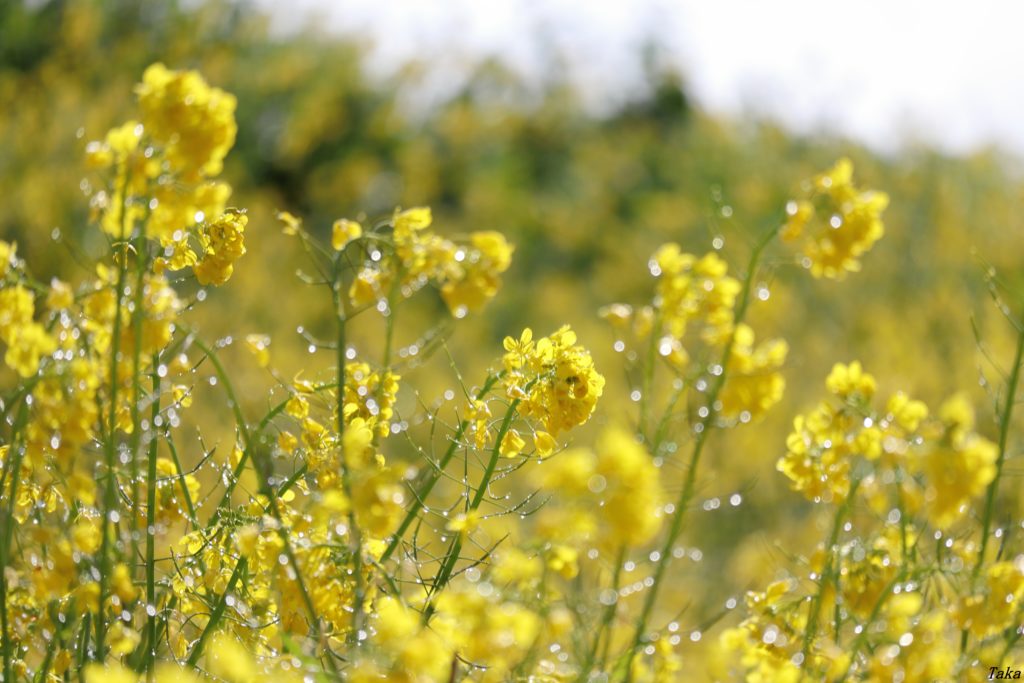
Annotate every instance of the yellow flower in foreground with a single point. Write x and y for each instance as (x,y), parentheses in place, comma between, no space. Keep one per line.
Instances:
(344,231)
(553,378)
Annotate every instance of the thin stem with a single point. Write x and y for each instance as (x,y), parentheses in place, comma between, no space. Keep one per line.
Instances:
(180,471)
(346,473)
(419,500)
(12,465)
(138,313)
(646,399)
(606,620)
(703,429)
(217,614)
(1004,432)
(827,572)
(455,548)
(151,522)
(110,490)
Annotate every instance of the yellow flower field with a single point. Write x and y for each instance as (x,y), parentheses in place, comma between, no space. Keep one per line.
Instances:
(297,388)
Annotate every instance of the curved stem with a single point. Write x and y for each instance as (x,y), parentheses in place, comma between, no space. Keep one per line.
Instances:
(218,613)
(452,557)
(264,487)
(606,621)
(428,485)
(703,429)
(827,572)
(150,656)
(346,472)
(110,489)
(1005,416)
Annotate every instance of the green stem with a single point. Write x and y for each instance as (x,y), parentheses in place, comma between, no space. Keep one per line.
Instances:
(83,643)
(1004,431)
(12,466)
(150,657)
(110,490)
(138,313)
(217,614)
(689,484)
(606,621)
(346,472)
(428,485)
(827,572)
(180,471)
(262,470)
(452,557)
(647,386)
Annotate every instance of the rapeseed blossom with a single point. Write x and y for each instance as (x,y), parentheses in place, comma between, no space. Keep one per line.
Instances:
(553,378)
(837,222)
(343,526)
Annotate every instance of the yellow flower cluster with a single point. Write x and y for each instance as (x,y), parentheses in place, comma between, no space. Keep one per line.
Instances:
(65,411)
(194,123)
(693,289)
(998,606)
(553,378)
(223,242)
(27,341)
(837,221)
(172,155)
(406,651)
(952,465)
(468,275)
(486,629)
(698,294)
(754,383)
(762,647)
(957,465)
(619,476)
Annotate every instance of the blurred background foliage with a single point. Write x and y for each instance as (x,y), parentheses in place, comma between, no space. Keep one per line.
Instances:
(586,198)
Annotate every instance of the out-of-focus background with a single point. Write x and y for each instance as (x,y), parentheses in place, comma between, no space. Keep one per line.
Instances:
(589,133)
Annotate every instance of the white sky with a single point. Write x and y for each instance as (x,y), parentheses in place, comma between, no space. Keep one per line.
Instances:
(887,73)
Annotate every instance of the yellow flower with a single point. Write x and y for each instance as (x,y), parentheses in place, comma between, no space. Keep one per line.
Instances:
(193,121)
(60,295)
(411,220)
(850,380)
(344,231)
(229,660)
(850,222)
(290,224)
(259,345)
(554,379)
(628,484)
(997,607)
(958,469)
(512,444)
(464,522)
(368,286)
(563,560)
(223,242)
(121,584)
(7,256)
(27,344)
(543,443)
(514,567)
